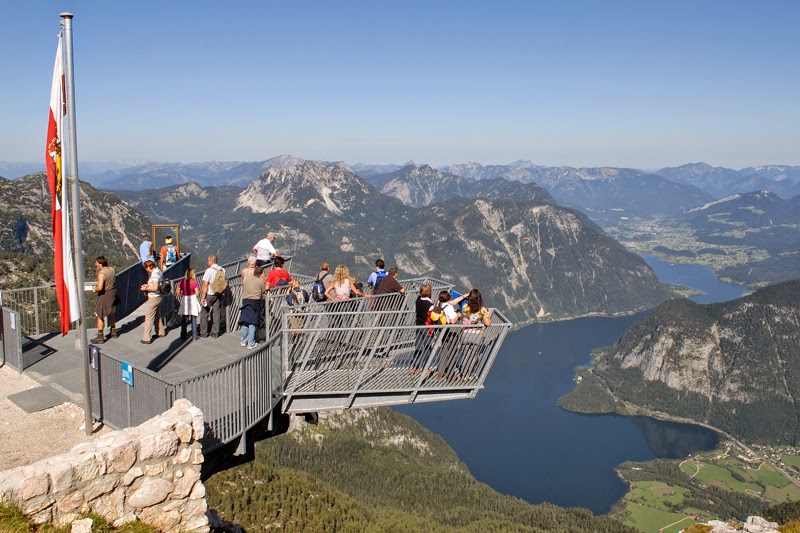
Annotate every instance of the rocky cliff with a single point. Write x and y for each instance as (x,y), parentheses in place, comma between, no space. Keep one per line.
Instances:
(734,365)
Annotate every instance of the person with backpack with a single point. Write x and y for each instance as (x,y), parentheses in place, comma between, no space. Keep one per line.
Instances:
(152,314)
(169,253)
(389,284)
(278,276)
(322,282)
(214,285)
(375,278)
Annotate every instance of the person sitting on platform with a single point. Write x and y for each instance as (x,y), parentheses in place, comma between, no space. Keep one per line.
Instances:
(106,303)
(252,310)
(278,276)
(152,315)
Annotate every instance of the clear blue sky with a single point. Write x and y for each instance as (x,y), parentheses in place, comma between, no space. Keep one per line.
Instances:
(626,83)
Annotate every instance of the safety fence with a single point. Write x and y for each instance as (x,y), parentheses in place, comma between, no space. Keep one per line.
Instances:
(11,341)
(233,397)
(346,358)
(38,309)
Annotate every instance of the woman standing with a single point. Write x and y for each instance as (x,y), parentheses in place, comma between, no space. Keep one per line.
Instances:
(473,314)
(342,285)
(152,314)
(189,292)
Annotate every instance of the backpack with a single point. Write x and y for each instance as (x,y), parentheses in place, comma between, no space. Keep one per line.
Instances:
(318,288)
(296,297)
(172,255)
(220,283)
(437,315)
(165,287)
(378,278)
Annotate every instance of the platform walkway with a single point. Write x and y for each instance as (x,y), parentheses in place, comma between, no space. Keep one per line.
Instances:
(329,355)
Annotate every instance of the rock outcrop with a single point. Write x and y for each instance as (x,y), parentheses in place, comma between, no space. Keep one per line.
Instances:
(149,473)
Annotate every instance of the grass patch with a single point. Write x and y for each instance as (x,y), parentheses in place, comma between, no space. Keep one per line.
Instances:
(714,474)
(769,476)
(13,521)
(646,518)
(791,460)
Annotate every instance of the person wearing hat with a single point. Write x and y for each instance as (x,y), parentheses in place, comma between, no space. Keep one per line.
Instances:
(264,250)
(169,253)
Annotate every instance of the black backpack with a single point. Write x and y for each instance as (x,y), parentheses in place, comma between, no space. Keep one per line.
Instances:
(318,288)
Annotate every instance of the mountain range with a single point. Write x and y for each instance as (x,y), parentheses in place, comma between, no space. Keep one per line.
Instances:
(734,365)
(532,260)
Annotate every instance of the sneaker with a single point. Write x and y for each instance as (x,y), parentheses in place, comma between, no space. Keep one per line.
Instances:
(98,340)
(251,346)
(146,342)
(113,334)
(242,344)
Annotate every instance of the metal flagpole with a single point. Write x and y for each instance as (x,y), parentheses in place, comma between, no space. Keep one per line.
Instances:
(76,217)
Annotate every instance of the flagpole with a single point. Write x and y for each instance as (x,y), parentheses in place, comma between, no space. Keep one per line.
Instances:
(76,218)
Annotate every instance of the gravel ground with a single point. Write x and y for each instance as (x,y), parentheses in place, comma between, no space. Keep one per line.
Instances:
(26,438)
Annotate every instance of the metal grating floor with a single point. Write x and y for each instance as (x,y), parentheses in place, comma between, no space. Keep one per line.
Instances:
(37,399)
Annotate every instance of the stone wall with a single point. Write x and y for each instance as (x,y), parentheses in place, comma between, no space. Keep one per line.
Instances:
(150,473)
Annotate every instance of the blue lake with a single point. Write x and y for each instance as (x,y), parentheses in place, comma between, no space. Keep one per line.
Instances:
(515,438)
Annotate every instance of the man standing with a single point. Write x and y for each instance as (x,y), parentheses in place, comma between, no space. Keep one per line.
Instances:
(169,253)
(374,279)
(146,249)
(264,250)
(211,302)
(251,267)
(390,283)
(278,276)
(105,306)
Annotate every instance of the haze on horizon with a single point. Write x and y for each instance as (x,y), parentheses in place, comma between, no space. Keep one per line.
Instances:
(578,83)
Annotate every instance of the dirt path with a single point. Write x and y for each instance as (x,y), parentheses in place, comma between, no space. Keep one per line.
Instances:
(26,438)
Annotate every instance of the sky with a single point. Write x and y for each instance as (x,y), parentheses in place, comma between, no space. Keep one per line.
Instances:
(580,83)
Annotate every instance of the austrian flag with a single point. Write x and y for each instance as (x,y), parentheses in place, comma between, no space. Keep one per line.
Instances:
(66,290)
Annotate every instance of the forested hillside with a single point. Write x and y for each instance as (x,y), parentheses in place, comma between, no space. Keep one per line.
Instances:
(375,470)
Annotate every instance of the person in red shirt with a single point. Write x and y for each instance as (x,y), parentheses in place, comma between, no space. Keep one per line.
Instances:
(278,275)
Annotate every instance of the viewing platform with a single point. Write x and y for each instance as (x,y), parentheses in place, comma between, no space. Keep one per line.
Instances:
(362,352)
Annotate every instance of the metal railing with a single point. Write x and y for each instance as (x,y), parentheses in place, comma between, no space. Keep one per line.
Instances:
(11,341)
(318,356)
(38,306)
(233,397)
(348,357)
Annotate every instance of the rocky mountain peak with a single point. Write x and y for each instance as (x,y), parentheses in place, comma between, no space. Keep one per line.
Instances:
(297,187)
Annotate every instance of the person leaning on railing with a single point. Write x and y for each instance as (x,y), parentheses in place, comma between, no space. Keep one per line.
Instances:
(342,285)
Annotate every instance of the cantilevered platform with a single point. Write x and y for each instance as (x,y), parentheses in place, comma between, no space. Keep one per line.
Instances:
(329,355)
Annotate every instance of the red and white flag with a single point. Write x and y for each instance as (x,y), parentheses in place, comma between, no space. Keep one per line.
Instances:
(66,286)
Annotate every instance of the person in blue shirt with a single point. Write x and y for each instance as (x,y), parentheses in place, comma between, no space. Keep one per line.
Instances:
(146,249)
(377,276)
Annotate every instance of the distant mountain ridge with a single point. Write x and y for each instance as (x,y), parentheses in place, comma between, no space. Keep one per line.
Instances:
(419,186)
(531,259)
(782,180)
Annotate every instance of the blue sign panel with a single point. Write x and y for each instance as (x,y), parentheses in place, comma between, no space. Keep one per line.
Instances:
(127,374)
